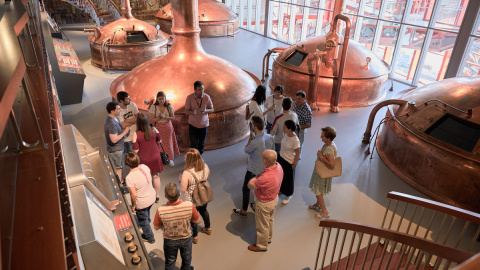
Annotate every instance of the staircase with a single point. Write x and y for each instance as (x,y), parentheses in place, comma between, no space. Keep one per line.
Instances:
(416,233)
(104,17)
(95,9)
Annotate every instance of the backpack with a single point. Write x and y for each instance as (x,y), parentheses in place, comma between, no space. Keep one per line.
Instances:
(247,112)
(202,194)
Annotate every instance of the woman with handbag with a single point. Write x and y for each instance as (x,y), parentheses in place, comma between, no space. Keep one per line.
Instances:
(161,114)
(321,186)
(145,143)
(288,159)
(195,170)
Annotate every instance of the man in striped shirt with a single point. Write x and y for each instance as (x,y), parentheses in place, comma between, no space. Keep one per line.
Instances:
(175,217)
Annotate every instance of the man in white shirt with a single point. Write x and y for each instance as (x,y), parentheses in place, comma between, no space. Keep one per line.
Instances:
(277,129)
(128,113)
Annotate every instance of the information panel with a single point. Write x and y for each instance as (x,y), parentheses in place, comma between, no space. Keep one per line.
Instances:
(103,226)
(66,57)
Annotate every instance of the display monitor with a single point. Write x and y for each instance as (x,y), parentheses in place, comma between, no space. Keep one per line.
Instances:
(455,131)
(296,58)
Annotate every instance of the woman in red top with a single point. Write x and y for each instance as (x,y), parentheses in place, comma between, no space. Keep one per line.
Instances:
(145,143)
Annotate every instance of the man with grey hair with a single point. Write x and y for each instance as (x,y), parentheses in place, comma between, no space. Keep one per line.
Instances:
(266,187)
(175,217)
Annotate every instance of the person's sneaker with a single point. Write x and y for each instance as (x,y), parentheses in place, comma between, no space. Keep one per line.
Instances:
(238,212)
(149,241)
(286,200)
(171,163)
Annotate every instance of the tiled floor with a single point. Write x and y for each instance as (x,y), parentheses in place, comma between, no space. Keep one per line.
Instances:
(359,195)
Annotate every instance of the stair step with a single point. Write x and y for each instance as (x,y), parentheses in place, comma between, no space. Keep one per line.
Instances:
(360,256)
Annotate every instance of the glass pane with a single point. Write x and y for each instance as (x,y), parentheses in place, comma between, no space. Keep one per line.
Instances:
(371,8)
(387,41)
(284,25)
(342,25)
(412,43)
(261,28)
(450,14)
(274,6)
(472,63)
(323,22)
(421,12)
(394,10)
(297,28)
(438,57)
(299,2)
(351,7)
(253,14)
(323,4)
(245,14)
(367,32)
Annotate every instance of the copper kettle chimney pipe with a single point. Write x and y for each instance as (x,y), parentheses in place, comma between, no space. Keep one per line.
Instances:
(127,9)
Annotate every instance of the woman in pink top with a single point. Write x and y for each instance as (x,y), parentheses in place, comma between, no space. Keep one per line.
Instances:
(145,143)
(139,183)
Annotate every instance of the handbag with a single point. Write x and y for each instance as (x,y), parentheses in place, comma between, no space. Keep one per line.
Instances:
(202,194)
(326,172)
(164,156)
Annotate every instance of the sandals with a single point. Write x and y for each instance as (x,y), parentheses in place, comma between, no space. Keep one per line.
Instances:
(206,231)
(322,216)
(314,206)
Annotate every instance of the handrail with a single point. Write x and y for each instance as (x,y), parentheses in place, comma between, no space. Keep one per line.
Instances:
(471,264)
(446,252)
(437,206)
(116,7)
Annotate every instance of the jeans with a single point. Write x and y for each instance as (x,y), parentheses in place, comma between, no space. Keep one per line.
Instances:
(269,127)
(202,210)
(127,147)
(246,191)
(171,248)
(143,220)
(198,136)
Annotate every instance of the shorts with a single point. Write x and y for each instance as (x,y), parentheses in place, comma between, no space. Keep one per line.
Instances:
(117,158)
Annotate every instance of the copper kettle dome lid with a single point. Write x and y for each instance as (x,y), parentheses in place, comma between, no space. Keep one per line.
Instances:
(355,63)
(187,62)
(127,23)
(460,92)
(209,10)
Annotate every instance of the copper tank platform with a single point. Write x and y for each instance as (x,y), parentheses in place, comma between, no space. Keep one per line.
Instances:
(363,82)
(174,73)
(126,42)
(215,19)
(434,145)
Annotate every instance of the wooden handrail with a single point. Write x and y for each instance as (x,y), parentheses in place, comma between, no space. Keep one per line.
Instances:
(116,7)
(94,7)
(471,264)
(449,253)
(437,206)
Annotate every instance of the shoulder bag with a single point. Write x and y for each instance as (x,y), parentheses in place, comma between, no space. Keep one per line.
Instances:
(202,194)
(325,171)
(163,155)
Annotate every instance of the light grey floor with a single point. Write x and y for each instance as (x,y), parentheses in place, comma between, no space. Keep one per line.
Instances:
(358,196)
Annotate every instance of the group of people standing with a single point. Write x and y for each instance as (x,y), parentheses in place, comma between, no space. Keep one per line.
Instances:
(135,137)
(273,157)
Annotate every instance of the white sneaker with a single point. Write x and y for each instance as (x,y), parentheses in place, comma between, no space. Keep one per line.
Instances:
(287,199)
(171,163)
